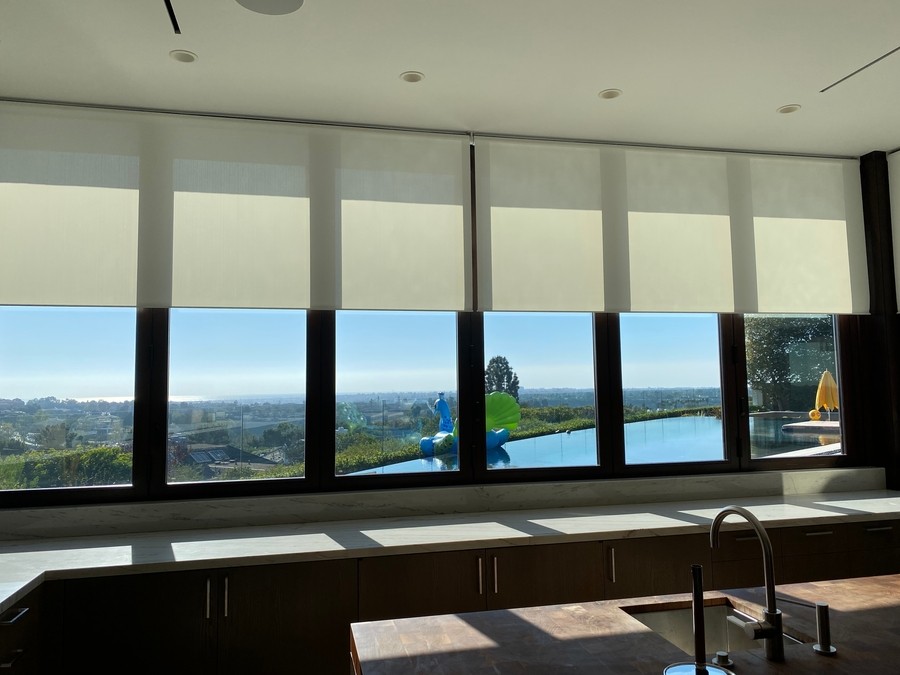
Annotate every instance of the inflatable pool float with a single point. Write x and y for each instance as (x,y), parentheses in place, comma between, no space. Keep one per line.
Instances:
(501,415)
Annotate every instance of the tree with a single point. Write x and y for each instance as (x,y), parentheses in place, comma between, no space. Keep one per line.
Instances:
(783,352)
(498,376)
(290,437)
(56,436)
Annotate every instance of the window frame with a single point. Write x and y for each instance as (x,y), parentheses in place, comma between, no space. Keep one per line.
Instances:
(151,421)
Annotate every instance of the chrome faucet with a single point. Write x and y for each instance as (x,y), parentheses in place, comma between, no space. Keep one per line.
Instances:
(769,629)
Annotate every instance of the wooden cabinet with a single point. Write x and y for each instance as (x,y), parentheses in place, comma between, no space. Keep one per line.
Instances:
(840,550)
(655,565)
(20,636)
(286,618)
(880,549)
(527,576)
(296,617)
(738,561)
(473,580)
(419,584)
(266,618)
(818,552)
(138,623)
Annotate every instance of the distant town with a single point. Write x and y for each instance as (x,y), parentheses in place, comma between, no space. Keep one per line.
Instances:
(52,422)
(260,435)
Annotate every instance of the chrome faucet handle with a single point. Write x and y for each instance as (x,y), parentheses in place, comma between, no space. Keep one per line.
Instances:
(823,631)
(755,630)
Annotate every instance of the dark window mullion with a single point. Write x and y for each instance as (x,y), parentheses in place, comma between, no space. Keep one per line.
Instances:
(151,401)
(735,406)
(609,413)
(320,399)
(470,365)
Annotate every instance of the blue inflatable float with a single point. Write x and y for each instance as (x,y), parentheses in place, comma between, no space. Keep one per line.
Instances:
(502,415)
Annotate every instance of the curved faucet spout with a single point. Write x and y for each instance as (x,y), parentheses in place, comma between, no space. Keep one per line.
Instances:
(764,541)
(772,632)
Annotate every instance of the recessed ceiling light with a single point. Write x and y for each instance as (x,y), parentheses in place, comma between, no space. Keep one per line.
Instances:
(412,76)
(790,108)
(183,55)
(610,93)
(272,7)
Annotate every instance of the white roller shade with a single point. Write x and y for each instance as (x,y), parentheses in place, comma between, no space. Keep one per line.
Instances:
(156,210)
(540,226)
(402,221)
(679,232)
(124,208)
(68,208)
(293,216)
(809,237)
(241,236)
(240,213)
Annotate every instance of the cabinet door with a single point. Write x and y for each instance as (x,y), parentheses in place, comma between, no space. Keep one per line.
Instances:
(526,576)
(738,562)
(287,618)
(880,549)
(140,623)
(819,552)
(655,565)
(396,586)
(20,636)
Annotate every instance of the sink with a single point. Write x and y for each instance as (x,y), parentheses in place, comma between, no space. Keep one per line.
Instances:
(674,622)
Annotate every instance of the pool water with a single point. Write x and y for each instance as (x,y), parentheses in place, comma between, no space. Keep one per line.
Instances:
(673,439)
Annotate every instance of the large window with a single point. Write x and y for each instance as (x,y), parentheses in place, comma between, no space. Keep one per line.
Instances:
(237,394)
(672,392)
(541,367)
(396,407)
(169,279)
(66,396)
(792,385)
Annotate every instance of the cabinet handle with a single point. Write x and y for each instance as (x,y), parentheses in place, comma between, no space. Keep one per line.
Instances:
(612,563)
(886,528)
(226,597)
(496,580)
(17,613)
(751,537)
(480,575)
(819,534)
(16,655)
(207,597)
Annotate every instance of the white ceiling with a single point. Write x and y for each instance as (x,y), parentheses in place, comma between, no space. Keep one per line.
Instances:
(698,73)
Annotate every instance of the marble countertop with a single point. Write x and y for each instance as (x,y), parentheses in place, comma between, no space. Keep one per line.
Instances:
(24,564)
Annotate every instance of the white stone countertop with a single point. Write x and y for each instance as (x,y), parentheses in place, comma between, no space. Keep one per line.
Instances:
(25,564)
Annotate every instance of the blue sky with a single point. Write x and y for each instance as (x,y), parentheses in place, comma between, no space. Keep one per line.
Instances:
(89,353)
(66,352)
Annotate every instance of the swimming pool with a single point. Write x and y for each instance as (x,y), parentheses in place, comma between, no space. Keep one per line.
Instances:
(673,439)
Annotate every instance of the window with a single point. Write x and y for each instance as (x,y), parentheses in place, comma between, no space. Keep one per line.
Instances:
(672,390)
(396,387)
(66,396)
(792,386)
(237,394)
(233,238)
(545,364)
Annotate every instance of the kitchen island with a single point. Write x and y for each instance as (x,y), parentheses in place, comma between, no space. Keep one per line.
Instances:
(603,637)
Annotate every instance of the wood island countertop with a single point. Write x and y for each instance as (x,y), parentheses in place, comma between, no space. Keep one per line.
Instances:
(602,638)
